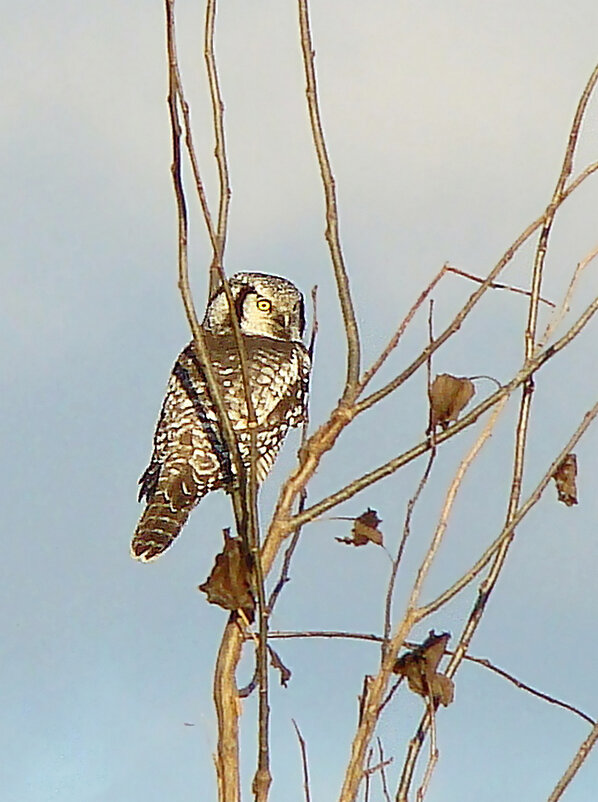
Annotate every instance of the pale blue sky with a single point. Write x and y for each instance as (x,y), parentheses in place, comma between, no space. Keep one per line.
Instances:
(446,123)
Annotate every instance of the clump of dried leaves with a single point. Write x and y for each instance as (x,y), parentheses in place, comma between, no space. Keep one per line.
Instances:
(419,666)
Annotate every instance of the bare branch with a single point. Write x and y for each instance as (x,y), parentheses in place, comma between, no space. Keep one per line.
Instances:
(372,704)
(580,756)
(383,763)
(433,758)
(495,285)
(567,168)
(467,420)
(394,340)
(402,543)
(413,500)
(507,533)
(220,150)
(455,324)
(332,233)
(499,548)
(563,310)
(523,421)
(227,712)
(318,633)
(482,661)
(304,763)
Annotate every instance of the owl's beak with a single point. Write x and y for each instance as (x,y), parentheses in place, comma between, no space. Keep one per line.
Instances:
(282,324)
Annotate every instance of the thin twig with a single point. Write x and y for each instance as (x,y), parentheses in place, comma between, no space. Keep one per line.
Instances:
(387,699)
(482,661)
(495,285)
(220,149)
(383,764)
(332,232)
(263,778)
(319,633)
(433,758)
(184,286)
(401,548)
(580,756)
(564,308)
(377,766)
(367,775)
(413,500)
(199,185)
(507,532)
(304,763)
(394,340)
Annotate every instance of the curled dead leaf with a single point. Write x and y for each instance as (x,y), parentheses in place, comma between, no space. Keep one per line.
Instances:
(229,582)
(365,530)
(276,662)
(419,667)
(448,396)
(565,477)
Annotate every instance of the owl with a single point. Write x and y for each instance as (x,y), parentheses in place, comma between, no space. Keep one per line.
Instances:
(190,457)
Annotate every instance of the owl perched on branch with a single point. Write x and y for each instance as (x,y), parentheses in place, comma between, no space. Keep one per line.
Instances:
(190,457)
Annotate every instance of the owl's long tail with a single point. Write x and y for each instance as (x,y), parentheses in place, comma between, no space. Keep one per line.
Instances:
(167,510)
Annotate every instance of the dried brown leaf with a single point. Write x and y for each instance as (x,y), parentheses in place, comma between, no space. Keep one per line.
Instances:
(276,662)
(448,396)
(443,689)
(565,477)
(229,583)
(419,666)
(365,530)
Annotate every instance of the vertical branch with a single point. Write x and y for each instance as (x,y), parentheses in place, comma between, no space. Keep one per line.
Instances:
(413,500)
(225,692)
(175,127)
(226,702)
(422,483)
(263,778)
(332,233)
(174,97)
(245,502)
(220,150)
(433,758)
(248,493)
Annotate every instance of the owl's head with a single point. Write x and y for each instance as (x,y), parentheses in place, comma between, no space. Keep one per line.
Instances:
(269,306)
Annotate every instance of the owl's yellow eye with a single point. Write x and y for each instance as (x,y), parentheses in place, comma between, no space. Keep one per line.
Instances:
(264,305)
